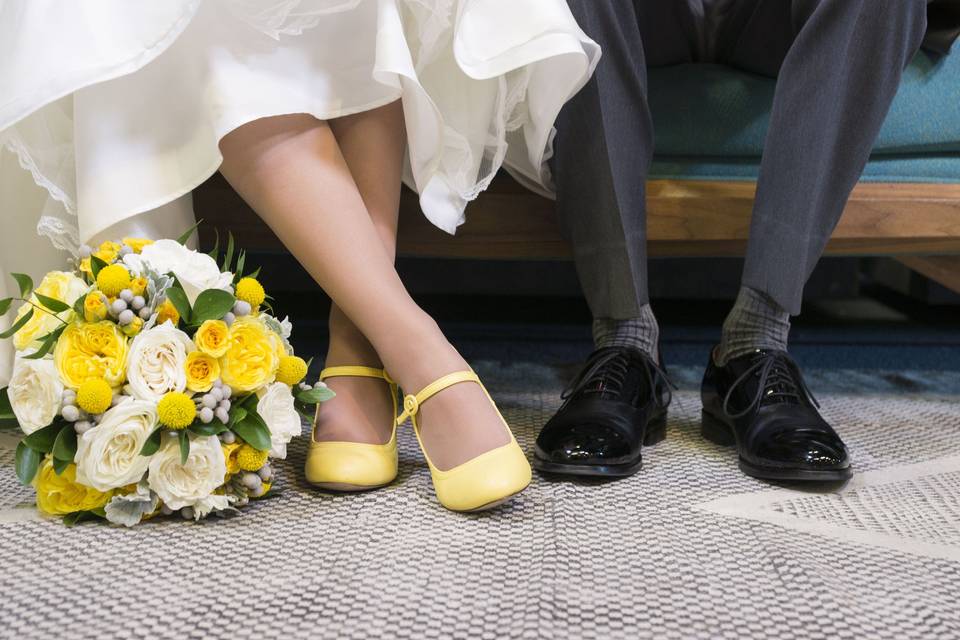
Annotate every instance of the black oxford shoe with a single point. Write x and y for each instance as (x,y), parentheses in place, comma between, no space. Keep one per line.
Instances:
(615,405)
(760,403)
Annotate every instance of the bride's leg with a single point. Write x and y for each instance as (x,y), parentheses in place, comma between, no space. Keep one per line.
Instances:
(372,144)
(291,171)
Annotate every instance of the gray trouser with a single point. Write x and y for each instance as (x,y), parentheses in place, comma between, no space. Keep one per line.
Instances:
(838,64)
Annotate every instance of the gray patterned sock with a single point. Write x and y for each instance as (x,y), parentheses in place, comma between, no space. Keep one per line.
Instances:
(755,322)
(641,332)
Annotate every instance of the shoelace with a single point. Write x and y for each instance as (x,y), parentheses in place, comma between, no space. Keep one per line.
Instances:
(779,378)
(608,371)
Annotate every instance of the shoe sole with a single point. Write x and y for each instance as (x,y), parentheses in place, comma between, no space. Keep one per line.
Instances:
(342,487)
(718,432)
(656,431)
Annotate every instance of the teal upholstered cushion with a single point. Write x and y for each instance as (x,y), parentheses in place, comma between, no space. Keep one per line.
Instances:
(716,111)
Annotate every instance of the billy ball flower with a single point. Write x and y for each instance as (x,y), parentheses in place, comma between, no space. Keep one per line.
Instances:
(176,410)
(292,370)
(113,279)
(94,395)
(250,291)
(250,459)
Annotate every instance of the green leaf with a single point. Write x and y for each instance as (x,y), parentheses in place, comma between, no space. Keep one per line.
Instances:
(241,261)
(178,298)
(216,245)
(78,306)
(5,305)
(315,395)
(95,265)
(254,431)
(59,466)
(24,319)
(65,446)
(25,282)
(184,445)
(189,232)
(42,440)
(49,341)
(214,428)
(27,462)
(211,304)
(237,413)
(52,303)
(6,411)
(228,257)
(77,517)
(254,273)
(152,444)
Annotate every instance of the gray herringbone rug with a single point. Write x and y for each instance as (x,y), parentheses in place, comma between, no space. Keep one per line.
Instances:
(687,548)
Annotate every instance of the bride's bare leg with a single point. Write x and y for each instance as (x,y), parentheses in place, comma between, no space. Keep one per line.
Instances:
(372,144)
(291,171)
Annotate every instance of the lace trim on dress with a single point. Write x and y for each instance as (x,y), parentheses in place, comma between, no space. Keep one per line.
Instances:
(277,18)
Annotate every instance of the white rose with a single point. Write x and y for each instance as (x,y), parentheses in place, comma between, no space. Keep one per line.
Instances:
(196,271)
(156,362)
(34,393)
(191,484)
(276,408)
(108,456)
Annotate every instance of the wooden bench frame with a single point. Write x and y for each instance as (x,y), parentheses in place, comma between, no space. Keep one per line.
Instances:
(918,224)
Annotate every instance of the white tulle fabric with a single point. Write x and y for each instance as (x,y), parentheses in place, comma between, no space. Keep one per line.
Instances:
(116,107)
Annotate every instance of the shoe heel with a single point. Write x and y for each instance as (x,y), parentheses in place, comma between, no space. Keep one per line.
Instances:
(715,431)
(656,431)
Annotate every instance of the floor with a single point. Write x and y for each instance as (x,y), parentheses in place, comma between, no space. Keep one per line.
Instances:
(687,548)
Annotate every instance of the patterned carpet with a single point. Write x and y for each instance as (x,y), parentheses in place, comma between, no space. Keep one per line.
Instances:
(688,548)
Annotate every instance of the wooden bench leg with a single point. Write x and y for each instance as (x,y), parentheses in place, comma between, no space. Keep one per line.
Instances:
(944,270)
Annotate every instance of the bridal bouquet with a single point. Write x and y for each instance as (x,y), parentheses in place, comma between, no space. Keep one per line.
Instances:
(150,380)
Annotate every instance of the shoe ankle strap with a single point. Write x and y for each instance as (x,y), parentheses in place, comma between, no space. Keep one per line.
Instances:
(350,371)
(412,402)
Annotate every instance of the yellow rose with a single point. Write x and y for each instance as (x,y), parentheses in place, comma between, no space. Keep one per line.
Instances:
(137,244)
(59,285)
(202,370)
(167,311)
(252,357)
(94,307)
(138,286)
(85,266)
(108,251)
(213,338)
(230,457)
(91,350)
(59,495)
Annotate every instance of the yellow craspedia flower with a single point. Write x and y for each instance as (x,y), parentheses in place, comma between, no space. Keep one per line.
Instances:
(113,279)
(59,495)
(94,395)
(137,244)
(230,457)
(94,307)
(138,286)
(213,337)
(202,371)
(91,350)
(252,357)
(176,410)
(132,329)
(250,290)
(60,285)
(166,311)
(292,370)
(250,459)
(108,251)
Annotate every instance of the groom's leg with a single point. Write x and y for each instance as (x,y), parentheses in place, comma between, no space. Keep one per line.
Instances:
(602,155)
(839,64)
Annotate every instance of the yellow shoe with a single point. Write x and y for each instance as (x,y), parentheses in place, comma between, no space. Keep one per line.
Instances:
(484,482)
(353,466)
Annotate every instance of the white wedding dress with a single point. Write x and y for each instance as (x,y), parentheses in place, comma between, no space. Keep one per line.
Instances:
(111,110)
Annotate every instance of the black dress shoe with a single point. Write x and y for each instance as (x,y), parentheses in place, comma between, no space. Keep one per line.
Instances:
(760,403)
(617,403)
